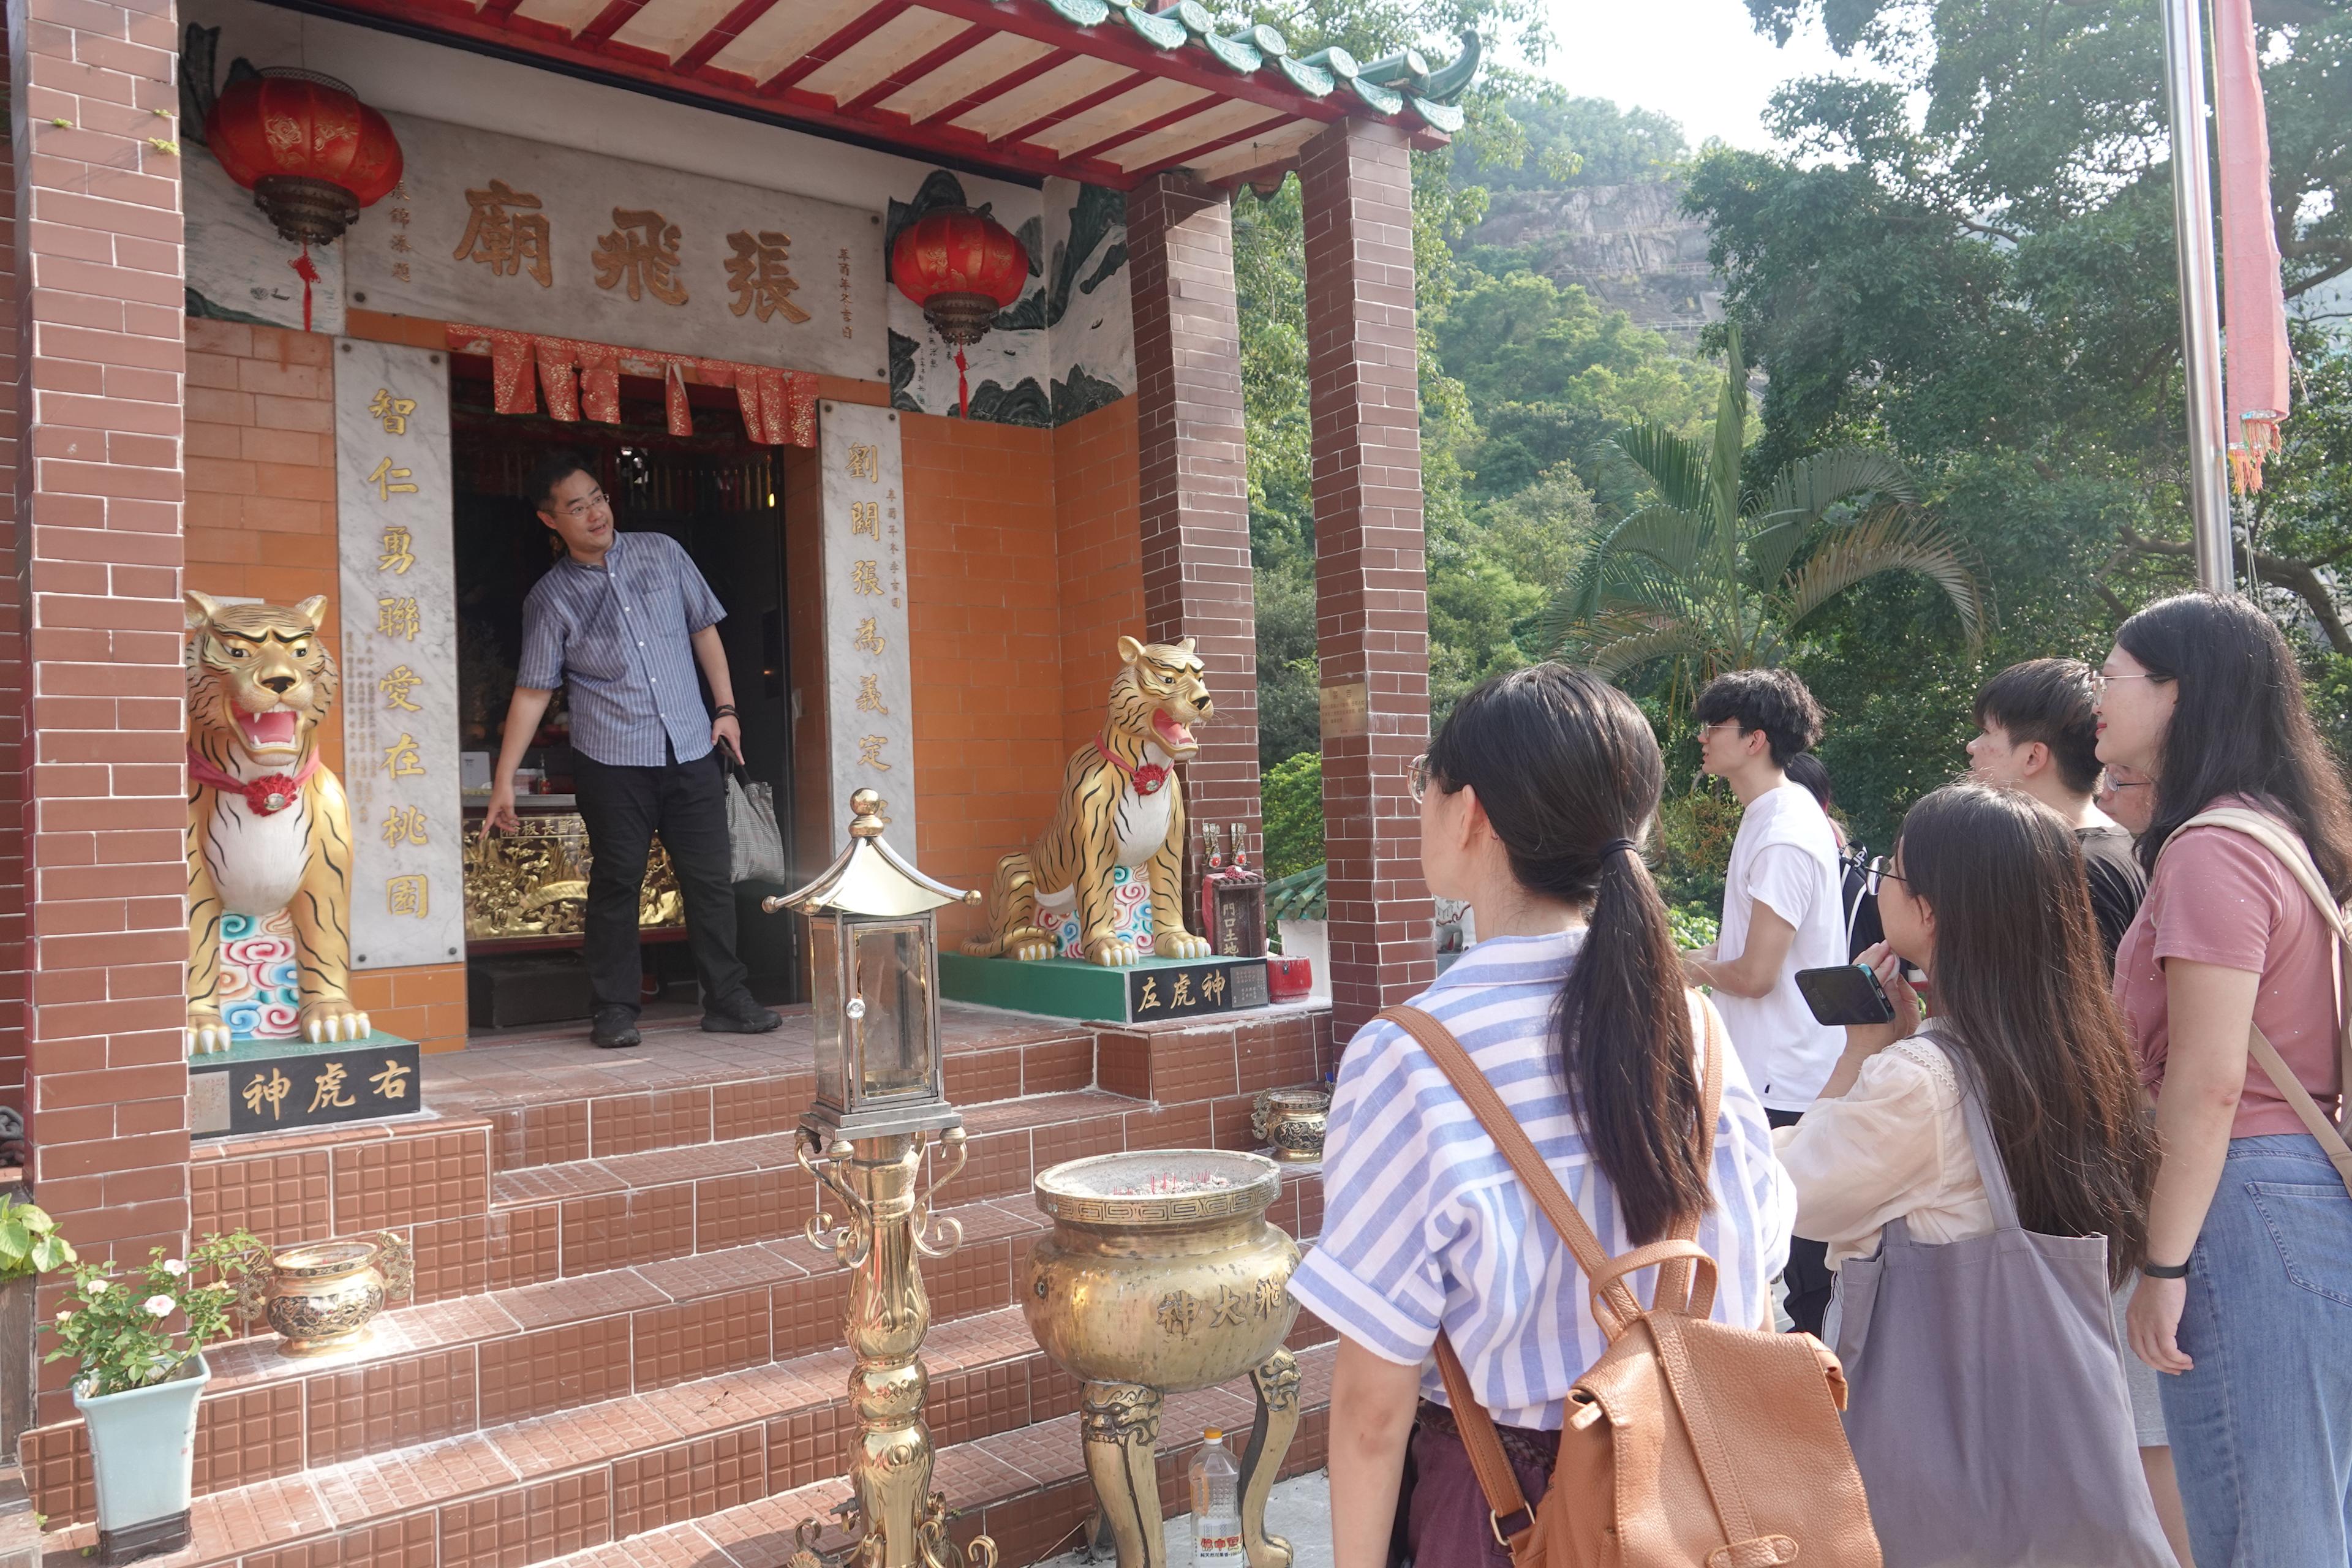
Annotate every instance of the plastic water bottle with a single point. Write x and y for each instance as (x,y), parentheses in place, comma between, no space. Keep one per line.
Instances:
(1216,1505)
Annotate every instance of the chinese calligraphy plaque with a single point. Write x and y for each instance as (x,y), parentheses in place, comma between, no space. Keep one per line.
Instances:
(1214,985)
(545,239)
(869,674)
(400,654)
(275,1088)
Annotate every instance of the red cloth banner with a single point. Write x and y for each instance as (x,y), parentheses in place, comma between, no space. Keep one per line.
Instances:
(2252,300)
(779,406)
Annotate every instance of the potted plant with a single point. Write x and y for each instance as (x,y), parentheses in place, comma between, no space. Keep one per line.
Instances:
(140,1336)
(30,1247)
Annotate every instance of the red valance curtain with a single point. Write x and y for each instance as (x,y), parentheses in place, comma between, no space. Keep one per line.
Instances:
(581,378)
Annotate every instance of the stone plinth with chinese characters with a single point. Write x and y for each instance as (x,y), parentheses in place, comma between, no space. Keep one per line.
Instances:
(1142,992)
(399,654)
(281,1086)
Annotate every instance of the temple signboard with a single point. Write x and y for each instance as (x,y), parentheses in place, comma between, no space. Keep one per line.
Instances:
(399,654)
(506,232)
(869,669)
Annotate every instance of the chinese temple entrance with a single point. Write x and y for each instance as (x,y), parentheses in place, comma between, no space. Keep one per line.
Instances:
(725,499)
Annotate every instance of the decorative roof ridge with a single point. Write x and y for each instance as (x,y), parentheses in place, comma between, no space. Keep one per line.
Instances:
(1390,86)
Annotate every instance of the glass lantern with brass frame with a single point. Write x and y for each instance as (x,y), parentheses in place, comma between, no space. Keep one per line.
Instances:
(881,1104)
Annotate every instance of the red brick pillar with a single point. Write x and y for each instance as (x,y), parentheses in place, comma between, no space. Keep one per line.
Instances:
(1194,474)
(1371,585)
(98,296)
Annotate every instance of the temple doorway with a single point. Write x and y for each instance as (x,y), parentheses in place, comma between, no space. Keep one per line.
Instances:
(726,500)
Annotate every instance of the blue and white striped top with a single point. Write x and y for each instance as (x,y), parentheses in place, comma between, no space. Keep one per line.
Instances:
(1424,1223)
(616,636)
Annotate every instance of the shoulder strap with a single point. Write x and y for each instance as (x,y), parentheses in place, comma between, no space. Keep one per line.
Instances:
(2295,856)
(1509,1513)
(1990,1168)
(1518,1151)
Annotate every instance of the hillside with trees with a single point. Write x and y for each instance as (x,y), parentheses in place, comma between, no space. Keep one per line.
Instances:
(1983,295)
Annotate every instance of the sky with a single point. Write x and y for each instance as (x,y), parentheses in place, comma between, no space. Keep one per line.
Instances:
(1716,75)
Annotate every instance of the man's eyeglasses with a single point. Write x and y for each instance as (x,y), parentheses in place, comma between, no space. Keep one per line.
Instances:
(1873,871)
(581,508)
(1416,777)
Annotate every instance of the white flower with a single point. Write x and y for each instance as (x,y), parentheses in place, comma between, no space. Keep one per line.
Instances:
(162,1306)
(175,1269)
(65,1314)
(97,1287)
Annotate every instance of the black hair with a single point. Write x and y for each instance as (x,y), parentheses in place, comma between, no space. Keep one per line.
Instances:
(2239,726)
(1808,770)
(2022,994)
(2049,701)
(1569,774)
(552,470)
(1772,700)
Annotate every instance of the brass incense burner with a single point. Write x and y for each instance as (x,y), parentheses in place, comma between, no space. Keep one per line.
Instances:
(1291,1122)
(1161,1276)
(881,1105)
(322,1296)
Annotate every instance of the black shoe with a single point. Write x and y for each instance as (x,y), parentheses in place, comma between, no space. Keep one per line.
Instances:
(743,1017)
(615,1028)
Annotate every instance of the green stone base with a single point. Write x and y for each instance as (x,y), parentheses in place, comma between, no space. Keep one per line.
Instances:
(1066,988)
(276,1086)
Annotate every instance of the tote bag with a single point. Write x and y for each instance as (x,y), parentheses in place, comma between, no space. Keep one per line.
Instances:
(1986,1406)
(755,847)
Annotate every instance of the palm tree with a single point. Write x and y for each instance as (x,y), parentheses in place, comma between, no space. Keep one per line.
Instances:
(1707,578)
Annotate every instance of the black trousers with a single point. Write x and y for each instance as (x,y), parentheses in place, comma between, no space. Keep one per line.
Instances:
(1808,1276)
(685,803)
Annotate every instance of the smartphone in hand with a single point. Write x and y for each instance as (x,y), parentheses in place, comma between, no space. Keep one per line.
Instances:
(1846,993)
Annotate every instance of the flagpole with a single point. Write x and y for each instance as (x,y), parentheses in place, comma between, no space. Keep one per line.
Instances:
(2201,318)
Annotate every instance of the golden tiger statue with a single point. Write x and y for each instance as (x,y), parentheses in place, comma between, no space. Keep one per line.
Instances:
(268,827)
(1121,805)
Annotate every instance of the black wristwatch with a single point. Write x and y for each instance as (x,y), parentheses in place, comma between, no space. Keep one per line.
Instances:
(2164,1271)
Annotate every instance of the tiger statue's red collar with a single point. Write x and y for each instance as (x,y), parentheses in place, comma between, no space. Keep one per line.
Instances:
(1147,779)
(263,797)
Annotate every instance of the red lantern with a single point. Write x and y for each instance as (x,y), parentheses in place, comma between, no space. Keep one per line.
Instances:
(961,266)
(308,150)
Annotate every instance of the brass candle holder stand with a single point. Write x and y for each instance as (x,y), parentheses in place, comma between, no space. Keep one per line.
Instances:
(881,1105)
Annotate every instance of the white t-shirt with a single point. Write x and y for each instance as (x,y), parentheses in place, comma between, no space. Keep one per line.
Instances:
(1786,857)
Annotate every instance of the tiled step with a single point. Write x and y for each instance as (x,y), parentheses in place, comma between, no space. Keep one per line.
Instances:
(585,1216)
(455,1367)
(638,1466)
(552,1100)
(604,1128)
(1027,1489)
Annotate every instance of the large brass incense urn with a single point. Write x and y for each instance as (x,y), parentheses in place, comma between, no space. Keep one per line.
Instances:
(881,1107)
(1161,1276)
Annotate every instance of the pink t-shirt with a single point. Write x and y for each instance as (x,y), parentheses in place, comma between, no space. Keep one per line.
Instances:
(2217,897)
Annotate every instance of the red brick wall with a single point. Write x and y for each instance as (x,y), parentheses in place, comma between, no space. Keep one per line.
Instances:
(98,307)
(1194,473)
(983,612)
(1371,586)
(12,663)
(261,524)
(1100,558)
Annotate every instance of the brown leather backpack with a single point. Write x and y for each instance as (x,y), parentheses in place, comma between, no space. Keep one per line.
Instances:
(1689,1442)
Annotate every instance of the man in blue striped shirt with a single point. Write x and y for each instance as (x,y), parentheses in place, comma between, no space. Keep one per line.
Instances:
(621,621)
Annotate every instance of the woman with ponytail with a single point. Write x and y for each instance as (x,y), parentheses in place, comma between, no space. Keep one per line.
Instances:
(1534,799)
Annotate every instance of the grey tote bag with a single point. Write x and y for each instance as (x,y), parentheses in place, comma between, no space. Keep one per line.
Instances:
(1986,1406)
(756,846)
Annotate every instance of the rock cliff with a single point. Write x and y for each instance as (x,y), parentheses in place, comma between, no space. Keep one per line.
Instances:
(1630,246)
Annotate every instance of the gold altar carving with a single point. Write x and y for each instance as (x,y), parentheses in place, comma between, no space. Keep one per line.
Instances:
(1161,1276)
(1122,804)
(268,827)
(534,881)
